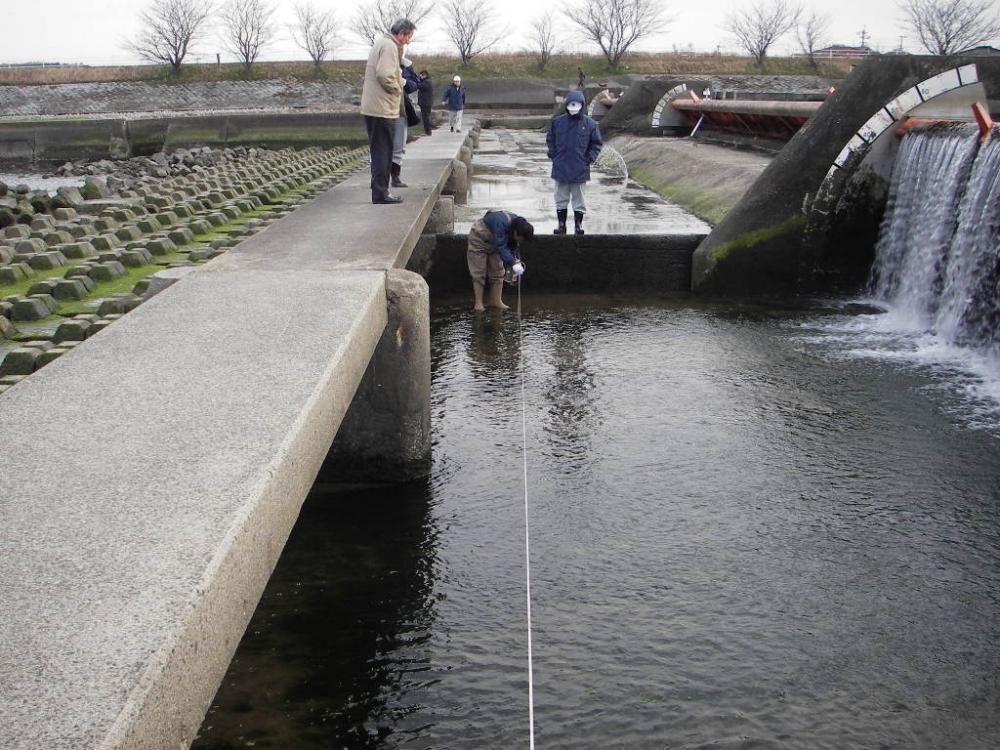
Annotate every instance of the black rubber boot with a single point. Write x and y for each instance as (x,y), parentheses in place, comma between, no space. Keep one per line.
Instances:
(394,171)
(561,216)
(578,219)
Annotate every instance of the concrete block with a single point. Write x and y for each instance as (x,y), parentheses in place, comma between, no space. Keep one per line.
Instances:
(105,242)
(6,327)
(6,255)
(57,237)
(45,286)
(20,361)
(65,214)
(442,218)
(457,184)
(106,271)
(118,305)
(69,289)
(15,272)
(49,355)
(135,258)
(161,246)
(105,224)
(30,247)
(42,222)
(78,250)
(17,232)
(200,226)
(181,236)
(47,261)
(937,85)
(47,299)
(72,330)
(29,309)
(129,233)
(166,218)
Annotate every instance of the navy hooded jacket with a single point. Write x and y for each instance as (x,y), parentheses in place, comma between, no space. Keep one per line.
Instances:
(574,142)
(454,98)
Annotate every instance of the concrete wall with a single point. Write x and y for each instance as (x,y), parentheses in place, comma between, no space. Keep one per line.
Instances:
(591,263)
(705,179)
(56,141)
(763,245)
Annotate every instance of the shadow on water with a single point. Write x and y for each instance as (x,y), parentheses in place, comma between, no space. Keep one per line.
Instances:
(311,670)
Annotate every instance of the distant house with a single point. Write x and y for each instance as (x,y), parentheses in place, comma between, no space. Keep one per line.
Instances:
(841,52)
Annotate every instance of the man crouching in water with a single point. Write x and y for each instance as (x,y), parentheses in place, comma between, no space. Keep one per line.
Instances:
(494,243)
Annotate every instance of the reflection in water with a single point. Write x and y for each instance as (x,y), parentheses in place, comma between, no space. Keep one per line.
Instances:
(314,669)
(736,542)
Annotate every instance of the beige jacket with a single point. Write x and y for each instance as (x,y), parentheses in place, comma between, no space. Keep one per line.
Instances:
(381,94)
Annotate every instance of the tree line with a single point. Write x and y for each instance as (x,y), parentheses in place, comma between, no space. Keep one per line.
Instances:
(171,29)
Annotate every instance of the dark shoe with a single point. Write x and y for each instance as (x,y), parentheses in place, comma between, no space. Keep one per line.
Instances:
(389,199)
(394,171)
(578,220)
(452,129)
(396,182)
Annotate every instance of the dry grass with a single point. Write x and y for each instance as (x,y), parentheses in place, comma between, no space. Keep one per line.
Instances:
(504,66)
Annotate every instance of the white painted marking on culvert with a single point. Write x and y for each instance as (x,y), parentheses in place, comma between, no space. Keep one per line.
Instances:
(527,535)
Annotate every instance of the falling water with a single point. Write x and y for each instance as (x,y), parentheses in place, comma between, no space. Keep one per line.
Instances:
(937,258)
(612,162)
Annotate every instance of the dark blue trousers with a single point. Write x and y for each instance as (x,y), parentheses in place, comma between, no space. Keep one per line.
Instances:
(380,145)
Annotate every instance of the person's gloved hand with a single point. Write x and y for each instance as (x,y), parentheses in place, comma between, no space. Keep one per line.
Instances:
(518,268)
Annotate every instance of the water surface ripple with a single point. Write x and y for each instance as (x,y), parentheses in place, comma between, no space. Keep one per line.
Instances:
(736,543)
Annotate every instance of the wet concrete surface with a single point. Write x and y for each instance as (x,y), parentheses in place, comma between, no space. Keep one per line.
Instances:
(511,171)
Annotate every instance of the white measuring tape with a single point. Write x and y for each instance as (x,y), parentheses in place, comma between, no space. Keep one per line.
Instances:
(527,537)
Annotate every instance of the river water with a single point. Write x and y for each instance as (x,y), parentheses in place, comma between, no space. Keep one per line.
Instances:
(750,528)
(739,538)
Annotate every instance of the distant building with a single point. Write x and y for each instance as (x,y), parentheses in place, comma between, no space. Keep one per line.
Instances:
(983,50)
(841,52)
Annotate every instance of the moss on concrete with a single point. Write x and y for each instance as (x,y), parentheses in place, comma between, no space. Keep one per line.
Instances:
(749,239)
(704,204)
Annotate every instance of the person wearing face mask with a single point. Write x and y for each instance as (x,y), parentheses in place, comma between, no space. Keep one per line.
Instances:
(574,142)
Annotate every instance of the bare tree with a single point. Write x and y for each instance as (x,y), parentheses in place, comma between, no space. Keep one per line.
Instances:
(170,29)
(314,31)
(469,25)
(616,25)
(759,26)
(374,18)
(945,27)
(544,39)
(811,31)
(247,28)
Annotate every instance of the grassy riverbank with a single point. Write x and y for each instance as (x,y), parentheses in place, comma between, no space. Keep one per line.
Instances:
(502,66)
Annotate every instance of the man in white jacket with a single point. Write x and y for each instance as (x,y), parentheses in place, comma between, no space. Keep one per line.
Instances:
(382,103)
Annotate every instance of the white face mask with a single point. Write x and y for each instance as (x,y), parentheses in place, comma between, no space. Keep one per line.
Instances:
(574,108)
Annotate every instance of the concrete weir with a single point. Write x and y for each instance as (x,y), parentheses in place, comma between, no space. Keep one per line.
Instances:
(149,479)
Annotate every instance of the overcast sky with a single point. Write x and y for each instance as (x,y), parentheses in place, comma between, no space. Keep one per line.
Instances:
(96,32)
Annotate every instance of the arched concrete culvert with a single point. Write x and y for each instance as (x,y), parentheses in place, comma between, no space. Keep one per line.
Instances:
(664,115)
(810,221)
(844,215)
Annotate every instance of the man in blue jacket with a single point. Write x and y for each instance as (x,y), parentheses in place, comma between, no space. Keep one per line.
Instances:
(494,245)
(574,142)
(454,100)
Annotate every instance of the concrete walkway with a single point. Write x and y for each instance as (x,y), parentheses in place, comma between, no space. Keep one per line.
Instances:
(149,479)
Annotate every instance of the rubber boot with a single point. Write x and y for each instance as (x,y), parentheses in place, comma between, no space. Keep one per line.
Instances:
(561,216)
(394,171)
(494,295)
(578,220)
